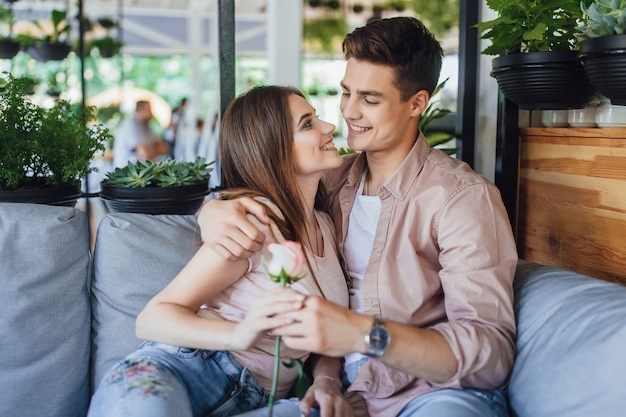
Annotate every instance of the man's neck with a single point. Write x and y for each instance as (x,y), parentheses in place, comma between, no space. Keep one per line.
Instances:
(383,164)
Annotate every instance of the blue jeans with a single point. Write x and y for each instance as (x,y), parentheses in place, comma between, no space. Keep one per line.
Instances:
(160,380)
(442,403)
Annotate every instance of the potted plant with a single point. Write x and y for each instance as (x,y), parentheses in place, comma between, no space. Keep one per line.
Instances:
(9,46)
(107,45)
(538,65)
(44,152)
(603,47)
(165,187)
(51,46)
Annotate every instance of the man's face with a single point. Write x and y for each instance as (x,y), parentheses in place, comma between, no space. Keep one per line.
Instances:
(377,119)
(145,113)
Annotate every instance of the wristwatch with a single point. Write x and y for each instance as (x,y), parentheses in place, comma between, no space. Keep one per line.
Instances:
(377,339)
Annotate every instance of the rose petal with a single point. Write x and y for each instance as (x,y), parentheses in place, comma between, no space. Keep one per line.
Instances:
(286,255)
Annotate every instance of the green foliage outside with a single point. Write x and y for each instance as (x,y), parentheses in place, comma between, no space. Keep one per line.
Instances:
(169,173)
(439,16)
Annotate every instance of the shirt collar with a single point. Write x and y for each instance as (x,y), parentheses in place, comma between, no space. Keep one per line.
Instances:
(400,182)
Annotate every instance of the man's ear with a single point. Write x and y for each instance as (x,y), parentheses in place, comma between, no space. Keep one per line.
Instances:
(419,103)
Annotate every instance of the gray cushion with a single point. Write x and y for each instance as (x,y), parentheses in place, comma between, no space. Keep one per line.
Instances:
(571,343)
(44,311)
(135,256)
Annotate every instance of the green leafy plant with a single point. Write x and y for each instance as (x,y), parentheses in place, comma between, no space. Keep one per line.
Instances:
(44,147)
(602,18)
(531,26)
(432,113)
(168,173)
(107,45)
(60,28)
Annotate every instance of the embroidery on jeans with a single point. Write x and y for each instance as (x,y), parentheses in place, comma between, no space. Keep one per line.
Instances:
(140,374)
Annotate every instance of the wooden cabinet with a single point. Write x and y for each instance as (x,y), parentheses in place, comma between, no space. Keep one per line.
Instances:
(572,200)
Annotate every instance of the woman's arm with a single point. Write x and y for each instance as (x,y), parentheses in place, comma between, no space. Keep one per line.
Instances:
(170,317)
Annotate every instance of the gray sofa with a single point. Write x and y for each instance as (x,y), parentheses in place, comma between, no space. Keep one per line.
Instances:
(67,316)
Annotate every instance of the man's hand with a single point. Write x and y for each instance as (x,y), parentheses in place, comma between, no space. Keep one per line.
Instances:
(226,228)
(325,328)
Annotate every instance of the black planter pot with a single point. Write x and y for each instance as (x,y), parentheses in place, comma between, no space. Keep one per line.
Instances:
(8,48)
(604,61)
(543,80)
(185,199)
(63,195)
(44,52)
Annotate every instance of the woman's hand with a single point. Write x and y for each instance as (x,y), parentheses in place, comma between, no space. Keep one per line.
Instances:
(262,316)
(325,393)
(226,228)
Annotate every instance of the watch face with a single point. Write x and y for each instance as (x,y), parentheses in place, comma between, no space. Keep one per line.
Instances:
(379,338)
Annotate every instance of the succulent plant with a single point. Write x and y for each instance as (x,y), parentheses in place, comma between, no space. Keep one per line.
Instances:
(168,173)
(603,18)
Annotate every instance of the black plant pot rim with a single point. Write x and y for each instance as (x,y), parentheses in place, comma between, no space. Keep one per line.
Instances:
(110,192)
(534,58)
(44,52)
(64,195)
(603,45)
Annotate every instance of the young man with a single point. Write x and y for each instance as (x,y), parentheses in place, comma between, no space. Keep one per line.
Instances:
(426,240)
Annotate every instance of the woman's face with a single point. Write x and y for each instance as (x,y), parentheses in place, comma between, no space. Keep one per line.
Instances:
(314,149)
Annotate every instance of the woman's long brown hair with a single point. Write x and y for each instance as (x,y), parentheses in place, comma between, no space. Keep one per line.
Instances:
(256,151)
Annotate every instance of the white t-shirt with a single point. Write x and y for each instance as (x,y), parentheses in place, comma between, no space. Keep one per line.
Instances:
(358,247)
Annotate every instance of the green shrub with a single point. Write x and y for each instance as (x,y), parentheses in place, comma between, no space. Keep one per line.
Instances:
(43,147)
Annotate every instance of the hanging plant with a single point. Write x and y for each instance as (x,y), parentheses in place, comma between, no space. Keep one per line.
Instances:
(107,45)
(9,46)
(50,45)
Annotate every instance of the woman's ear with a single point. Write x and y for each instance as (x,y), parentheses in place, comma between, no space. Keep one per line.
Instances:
(419,103)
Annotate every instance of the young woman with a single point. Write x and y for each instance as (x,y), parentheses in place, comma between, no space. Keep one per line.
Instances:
(210,351)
